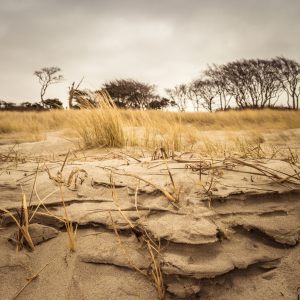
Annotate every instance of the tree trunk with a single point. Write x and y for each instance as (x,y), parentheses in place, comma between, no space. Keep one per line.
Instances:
(42,100)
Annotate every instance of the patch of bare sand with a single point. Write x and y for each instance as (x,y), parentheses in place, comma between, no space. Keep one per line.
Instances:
(235,237)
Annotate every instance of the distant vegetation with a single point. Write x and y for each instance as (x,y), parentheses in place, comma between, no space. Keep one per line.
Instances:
(243,84)
(152,125)
(254,83)
(27,106)
(105,125)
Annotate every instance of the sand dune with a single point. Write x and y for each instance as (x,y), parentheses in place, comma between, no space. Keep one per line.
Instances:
(234,237)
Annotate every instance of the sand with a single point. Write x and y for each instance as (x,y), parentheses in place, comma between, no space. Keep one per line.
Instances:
(235,237)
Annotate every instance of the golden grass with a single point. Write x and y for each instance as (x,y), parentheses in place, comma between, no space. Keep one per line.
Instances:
(25,122)
(23,228)
(99,126)
(30,126)
(224,120)
(69,225)
(235,132)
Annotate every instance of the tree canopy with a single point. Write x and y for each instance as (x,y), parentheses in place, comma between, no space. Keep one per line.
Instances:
(133,94)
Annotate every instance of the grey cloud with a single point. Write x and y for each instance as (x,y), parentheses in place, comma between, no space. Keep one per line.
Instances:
(162,42)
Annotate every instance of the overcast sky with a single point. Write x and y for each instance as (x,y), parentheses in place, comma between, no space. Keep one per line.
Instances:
(165,42)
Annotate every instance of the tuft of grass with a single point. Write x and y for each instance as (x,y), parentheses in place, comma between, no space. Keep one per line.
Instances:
(176,193)
(69,225)
(23,228)
(99,126)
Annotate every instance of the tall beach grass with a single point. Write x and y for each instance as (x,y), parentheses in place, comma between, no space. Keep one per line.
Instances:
(107,126)
(99,125)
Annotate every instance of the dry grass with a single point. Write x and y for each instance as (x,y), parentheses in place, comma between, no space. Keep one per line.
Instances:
(249,133)
(23,227)
(30,126)
(100,126)
(225,120)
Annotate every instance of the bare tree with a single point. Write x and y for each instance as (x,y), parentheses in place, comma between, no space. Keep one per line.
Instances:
(46,77)
(253,83)
(216,75)
(179,95)
(236,75)
(289,76)
(194,96)
(265,84)
(206,92)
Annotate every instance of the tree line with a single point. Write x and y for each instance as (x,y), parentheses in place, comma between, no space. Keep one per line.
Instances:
(252,83)
(28,106)
(125,93)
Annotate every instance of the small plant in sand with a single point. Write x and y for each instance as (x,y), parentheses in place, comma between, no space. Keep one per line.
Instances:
(294,158)
(68,223)
(22,225)
(176,192)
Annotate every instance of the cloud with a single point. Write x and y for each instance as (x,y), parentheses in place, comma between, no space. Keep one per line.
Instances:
(163,42)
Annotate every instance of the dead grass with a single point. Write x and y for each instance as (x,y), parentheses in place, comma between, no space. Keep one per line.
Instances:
(61,182)
(225,120)
(249,133)
(23,227)
(100,126)
(30,126)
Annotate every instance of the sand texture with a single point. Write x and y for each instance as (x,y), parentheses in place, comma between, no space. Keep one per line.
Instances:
(235,237)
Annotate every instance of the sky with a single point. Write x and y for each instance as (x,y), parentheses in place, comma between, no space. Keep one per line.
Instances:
(161,42)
